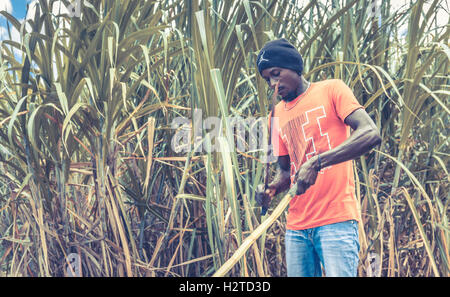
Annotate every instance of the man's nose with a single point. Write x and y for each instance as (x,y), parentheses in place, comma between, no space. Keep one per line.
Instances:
(273,83)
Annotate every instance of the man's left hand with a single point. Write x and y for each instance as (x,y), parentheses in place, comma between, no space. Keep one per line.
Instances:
(306,176)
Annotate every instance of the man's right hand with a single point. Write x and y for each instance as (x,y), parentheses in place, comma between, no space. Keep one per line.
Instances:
(280,183)
(264,195)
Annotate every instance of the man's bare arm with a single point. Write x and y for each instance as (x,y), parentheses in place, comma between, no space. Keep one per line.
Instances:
(282,179)
(280,183)
(364,137)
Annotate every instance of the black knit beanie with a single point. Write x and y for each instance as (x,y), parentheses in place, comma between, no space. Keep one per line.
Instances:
(280,53)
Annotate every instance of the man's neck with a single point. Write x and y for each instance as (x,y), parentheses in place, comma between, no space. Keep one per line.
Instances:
(302,87)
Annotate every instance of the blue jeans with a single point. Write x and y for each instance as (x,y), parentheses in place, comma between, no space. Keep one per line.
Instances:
(333,246)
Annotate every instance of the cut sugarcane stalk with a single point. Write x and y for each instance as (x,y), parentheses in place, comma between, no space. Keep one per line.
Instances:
(247,243)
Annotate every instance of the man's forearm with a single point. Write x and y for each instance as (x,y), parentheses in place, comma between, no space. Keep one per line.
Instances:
(282,181)
(359,142)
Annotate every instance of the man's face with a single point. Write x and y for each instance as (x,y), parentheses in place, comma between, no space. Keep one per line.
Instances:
(289,81)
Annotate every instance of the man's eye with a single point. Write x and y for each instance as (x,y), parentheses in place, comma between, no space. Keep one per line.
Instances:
(276,73)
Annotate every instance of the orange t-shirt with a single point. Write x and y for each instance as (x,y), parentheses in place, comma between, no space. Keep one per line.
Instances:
(314,123)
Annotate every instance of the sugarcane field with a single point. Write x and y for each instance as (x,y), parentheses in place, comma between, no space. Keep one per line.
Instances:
(238,138)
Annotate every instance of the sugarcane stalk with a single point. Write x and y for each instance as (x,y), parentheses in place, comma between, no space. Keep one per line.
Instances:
(247,243)
(266,179)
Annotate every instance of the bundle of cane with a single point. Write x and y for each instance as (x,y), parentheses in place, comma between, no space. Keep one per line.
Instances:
(276,213)
(265,205)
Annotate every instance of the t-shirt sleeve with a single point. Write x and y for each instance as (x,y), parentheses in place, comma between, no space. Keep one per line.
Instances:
(344,100)
(279,149)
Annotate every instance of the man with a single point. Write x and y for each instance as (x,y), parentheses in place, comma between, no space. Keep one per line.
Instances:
(312,140)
